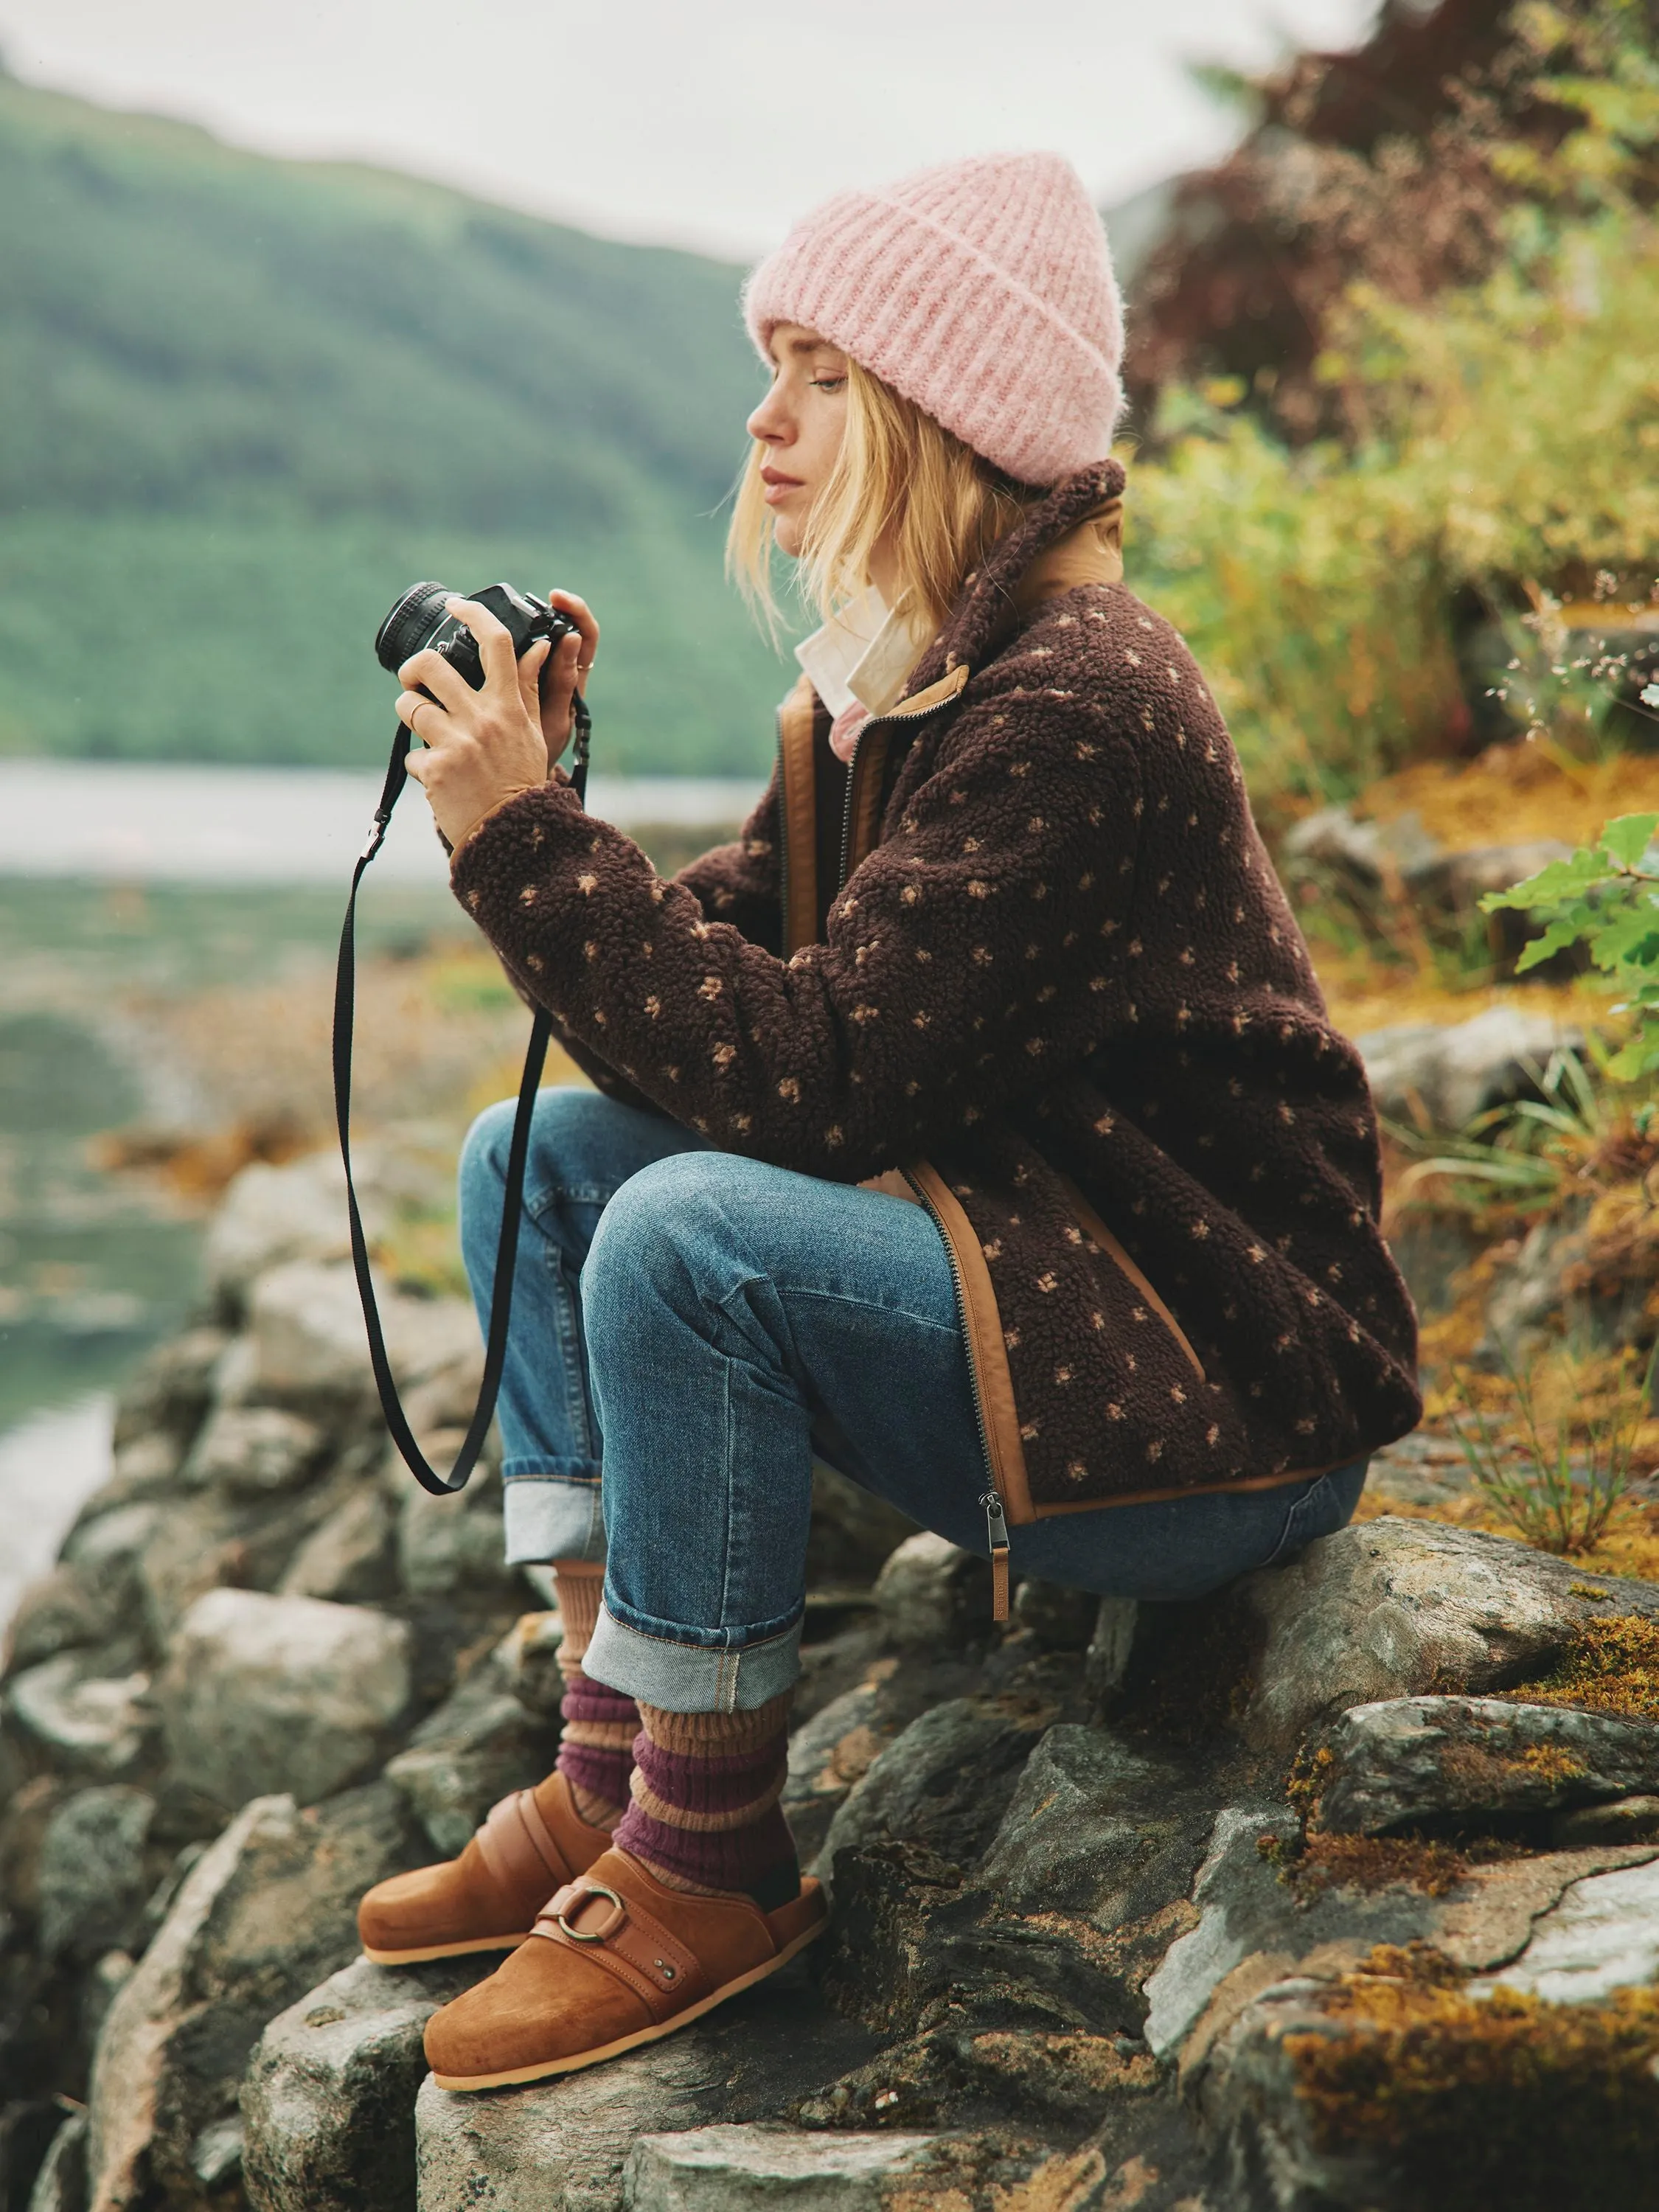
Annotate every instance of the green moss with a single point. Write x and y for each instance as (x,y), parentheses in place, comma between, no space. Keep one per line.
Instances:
(1481,2101)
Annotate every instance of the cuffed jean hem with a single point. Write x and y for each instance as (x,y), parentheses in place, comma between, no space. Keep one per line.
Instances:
(691,1677)
(550,1516)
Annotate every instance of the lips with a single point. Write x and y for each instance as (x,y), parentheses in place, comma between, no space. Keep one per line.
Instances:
(778,486)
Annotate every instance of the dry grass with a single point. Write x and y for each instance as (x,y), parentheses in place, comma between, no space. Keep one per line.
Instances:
(1512,793)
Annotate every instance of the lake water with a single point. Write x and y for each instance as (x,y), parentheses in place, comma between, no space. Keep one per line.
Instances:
(139,821)
(50,1465)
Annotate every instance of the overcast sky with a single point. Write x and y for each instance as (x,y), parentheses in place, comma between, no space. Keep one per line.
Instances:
(700,123)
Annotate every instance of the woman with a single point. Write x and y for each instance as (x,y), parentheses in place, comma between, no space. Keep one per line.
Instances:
(974,1121)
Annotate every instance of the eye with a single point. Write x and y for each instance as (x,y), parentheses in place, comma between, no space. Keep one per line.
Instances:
(829,383)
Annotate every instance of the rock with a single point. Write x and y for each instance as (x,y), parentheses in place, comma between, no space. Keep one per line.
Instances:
(1420,1762)
(1061,1619)
(104,1982)
(1362,860)
(305,1344)
(1449,887)
(1602,1935)
(932,1597)
(306,1348)
(101,1726)
(25,1815)
(328,2101)
(853,1531)
(1253,1929)
(1106,1661)
(215,2156)
(944,1782)
(1441,1076)
(1626,1820)
(64,1611)
(450,1546)
(529,1658)
(266,1913)
(200,1544)
(1410,2087)
(61,2184)
(253,1450)
(476,1748)
(1073,1904)
(286,1691)
(352,1558)
(270,1215)
(561,2146)
(1531,1292)
(1390,1608)
(168,1393)
(211,1539)
(1097,1827)
(28,2125)
(733,2169)
(833,1752)
(106,1539)
(93,1873)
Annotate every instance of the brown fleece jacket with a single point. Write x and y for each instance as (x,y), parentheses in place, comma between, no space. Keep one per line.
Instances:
(1064,972)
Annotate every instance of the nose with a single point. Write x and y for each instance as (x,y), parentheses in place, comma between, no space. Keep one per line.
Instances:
(769,423)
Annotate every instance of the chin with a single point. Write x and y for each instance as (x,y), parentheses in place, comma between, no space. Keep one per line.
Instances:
(786,535)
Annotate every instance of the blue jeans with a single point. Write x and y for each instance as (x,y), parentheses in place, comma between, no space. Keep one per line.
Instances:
(705,1325)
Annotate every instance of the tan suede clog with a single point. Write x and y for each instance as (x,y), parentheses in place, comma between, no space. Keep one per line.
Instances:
(616,1959)
(532,1844)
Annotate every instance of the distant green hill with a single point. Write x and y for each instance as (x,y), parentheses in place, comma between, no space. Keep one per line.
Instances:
(244,402)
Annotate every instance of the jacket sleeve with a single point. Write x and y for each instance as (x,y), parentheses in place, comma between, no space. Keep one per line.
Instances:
(742,883)
(977,950)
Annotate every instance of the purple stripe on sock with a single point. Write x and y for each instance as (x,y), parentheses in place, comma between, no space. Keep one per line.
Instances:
(758,1857)
(588,1766)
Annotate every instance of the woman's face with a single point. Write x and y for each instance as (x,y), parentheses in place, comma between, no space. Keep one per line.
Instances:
(799,422)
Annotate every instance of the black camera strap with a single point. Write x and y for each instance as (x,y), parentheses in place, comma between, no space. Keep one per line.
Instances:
(507,1253)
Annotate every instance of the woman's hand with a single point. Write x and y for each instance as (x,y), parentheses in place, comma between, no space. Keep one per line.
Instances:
(485,747)
(568,672)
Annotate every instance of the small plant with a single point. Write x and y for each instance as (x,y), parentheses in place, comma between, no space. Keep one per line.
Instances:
(1558,1484)
(1604,897)
(1525,1155)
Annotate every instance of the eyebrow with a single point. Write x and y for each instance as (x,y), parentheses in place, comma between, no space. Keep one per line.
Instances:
(812,345)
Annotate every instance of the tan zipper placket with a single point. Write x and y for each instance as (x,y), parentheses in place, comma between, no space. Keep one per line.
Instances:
(929,1187)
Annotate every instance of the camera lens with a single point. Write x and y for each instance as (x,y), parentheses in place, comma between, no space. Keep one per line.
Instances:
(413,623)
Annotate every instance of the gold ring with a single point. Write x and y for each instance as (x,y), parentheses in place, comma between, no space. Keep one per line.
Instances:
(594,1935)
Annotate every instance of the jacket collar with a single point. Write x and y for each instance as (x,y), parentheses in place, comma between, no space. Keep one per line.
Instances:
(993,598)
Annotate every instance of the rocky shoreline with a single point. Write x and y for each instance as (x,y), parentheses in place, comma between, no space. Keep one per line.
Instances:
(1339,1890)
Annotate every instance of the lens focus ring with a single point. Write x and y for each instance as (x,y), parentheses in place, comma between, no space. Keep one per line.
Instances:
(413,623)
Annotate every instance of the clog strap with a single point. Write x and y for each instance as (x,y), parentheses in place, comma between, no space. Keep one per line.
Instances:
(517,1845)
(630,1942)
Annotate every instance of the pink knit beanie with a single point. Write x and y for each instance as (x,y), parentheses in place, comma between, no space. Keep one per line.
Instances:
(982,290)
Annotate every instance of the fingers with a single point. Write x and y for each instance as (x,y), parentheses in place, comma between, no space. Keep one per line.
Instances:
(587,630)
(416,765)
(430,671)
(495,639)
(529,676)
(409,704)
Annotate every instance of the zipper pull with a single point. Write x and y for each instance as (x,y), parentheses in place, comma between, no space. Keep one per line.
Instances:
(996,1527)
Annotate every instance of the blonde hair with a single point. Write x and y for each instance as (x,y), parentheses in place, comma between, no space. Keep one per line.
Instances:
(898,470)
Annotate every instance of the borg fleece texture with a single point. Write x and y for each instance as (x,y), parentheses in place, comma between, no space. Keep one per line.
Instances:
(1066,958)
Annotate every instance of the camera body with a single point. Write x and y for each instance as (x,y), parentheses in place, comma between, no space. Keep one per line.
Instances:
(419,622)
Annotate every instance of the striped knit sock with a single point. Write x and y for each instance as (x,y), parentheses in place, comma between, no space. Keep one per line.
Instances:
(596,1751)
(704,1816)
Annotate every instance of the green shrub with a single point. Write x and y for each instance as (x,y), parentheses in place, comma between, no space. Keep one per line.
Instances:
(1512,450)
